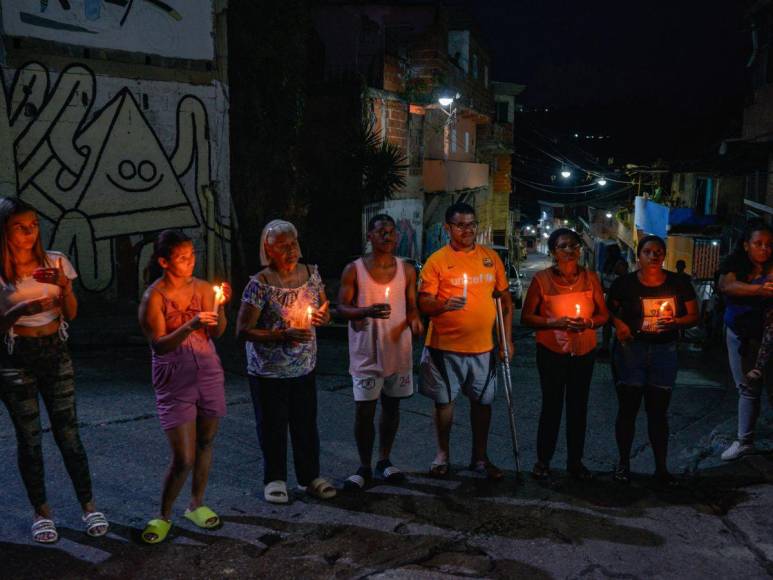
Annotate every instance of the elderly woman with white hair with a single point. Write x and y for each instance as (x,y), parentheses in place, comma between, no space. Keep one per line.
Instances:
(281,306)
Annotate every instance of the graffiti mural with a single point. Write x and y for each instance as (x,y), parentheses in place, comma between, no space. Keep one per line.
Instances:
(103,161)
(408,214)
(174,28)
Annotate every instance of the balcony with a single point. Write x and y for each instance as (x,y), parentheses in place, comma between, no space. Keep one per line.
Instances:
(441,175)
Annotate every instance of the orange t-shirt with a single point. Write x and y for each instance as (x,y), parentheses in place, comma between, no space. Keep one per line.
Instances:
(469,330)
(558,300)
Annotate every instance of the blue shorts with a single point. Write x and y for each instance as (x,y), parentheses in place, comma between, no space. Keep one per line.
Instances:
(443,374)
(640,363)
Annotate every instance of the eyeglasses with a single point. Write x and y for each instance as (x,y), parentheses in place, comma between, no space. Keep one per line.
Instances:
(568,247)
(464,225)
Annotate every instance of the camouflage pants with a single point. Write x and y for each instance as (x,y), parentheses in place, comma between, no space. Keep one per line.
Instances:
(43,366)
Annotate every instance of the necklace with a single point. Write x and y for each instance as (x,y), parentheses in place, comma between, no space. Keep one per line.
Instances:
(559,274)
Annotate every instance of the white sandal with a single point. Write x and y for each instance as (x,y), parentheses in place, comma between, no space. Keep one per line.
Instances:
(276,492)
(43,527)
(96,524)
(320,488)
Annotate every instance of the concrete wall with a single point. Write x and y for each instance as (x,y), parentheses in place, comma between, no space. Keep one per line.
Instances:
(109,161)
(173,28)
(115,134)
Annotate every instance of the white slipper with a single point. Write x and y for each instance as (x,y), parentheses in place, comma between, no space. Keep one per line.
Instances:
(276,492)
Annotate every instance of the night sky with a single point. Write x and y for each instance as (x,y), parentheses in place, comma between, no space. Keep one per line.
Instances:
(671,67)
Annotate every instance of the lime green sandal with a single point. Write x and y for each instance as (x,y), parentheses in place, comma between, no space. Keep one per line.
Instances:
(201,516)
(159,528)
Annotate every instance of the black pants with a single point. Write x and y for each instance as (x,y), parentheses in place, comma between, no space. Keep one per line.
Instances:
(656,401)
(283,403)
(42,367)
(563,375)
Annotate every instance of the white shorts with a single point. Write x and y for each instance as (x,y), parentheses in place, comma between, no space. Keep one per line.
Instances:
(397,386)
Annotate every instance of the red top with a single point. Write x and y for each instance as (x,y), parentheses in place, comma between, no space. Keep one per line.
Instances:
(559,299)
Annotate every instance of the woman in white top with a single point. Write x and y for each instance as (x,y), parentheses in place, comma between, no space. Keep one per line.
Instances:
(36,299)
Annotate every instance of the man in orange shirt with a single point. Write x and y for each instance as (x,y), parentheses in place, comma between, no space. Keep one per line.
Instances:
(458,285)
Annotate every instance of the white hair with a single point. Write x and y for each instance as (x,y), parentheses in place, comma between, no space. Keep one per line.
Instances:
(271,230)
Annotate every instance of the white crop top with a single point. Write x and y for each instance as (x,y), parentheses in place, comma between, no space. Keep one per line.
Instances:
(29,288)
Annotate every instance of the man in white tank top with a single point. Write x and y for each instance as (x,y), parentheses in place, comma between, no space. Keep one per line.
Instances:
(378,297)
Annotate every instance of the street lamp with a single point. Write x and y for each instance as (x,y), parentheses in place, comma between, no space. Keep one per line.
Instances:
(565,173)
(602,182)
(446,99)
(609,215)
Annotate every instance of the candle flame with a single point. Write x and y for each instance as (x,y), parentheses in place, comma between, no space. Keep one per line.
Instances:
(386,294)
(577,310)
(219,295)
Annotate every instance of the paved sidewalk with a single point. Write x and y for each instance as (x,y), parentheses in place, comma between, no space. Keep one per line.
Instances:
(718,525)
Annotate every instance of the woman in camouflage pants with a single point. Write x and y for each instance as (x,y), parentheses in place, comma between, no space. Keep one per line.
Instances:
(36,297)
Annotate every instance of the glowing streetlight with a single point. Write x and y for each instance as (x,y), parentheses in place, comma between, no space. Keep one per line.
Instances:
(445,101)
(609,215)
(602,182)
(565,173)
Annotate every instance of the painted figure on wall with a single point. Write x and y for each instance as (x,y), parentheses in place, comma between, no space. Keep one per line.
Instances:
(100,174)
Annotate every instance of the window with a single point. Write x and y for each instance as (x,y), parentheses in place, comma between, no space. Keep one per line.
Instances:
(453,140)
(705,196)
(503,111)
(474,66)
(466,141)
(485,75)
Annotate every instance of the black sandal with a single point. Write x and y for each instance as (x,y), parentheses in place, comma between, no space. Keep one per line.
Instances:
(540,471)
(580,473)
(622,474)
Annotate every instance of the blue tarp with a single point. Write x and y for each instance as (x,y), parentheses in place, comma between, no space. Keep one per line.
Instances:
(650,217)
(654,218)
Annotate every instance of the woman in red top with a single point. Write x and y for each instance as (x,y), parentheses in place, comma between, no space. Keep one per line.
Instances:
(565,303)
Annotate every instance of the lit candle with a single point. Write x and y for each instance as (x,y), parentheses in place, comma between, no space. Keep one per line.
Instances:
(464,286)
(386,295)
(577,310)
(309,312)
(219,295)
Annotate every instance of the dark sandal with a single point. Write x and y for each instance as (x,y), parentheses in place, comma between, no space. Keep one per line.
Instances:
(438,470)
(580,473)
(388,472)
(488,469)
(359,480)
(622,474)
(540,471)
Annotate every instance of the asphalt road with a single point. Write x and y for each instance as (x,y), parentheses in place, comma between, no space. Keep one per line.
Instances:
(717,525)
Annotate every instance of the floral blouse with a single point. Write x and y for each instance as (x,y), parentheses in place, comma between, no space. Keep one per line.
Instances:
(282,308)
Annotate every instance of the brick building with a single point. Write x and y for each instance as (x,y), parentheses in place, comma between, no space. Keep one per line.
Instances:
(408,56)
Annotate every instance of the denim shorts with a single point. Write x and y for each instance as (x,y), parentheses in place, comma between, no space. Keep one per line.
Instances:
(640,363)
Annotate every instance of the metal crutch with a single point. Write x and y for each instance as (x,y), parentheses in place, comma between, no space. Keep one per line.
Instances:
(502,337)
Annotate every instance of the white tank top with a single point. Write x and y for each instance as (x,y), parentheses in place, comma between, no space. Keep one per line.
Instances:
(380,347)
(28,288)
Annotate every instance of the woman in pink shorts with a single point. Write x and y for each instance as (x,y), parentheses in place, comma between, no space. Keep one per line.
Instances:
(179,315)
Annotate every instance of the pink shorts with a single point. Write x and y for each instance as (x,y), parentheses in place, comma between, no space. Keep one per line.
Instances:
(188,387)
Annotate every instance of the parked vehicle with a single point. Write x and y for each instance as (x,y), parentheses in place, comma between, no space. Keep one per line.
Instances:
(513,275)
